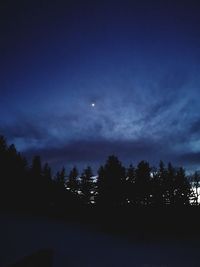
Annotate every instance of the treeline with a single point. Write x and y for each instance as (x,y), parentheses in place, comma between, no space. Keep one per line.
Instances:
(33,187)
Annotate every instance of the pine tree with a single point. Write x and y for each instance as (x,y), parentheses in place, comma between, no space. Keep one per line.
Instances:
(47,184)
(60,177)
(46,172)
(72,183)
(195,180)
(182,188)
(87,185)
(36,168)
(110,182)
(130,188)
(143,186)
(158,185)
(170,185)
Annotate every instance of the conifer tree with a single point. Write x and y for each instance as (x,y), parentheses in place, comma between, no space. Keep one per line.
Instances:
(182,188)
(87,185)
(72,183)
(143,186)
(110,182)
(130,187)
(195,180)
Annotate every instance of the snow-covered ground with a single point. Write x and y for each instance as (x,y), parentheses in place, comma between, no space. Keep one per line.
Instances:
(77,246)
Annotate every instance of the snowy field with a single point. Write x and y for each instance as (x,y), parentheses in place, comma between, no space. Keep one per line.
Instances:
(74,246)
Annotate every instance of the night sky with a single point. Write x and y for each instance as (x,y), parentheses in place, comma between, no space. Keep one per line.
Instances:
(80,80)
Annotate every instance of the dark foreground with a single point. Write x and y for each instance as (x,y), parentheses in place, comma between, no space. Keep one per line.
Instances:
(40,241)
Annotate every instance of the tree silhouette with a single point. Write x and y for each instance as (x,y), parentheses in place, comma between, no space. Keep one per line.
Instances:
(60,178)
(36,168)
(101,188)
(182,188)
(72,183)
(143,185)
(157,185)
(110,183)
(87,185)
(41,184)
(195,192)
(130,186)
(12,175)
(36,185)
(60,192)
(3,144)
(33,187)
(46,172)
(168,177)
(47,185)
(17,173)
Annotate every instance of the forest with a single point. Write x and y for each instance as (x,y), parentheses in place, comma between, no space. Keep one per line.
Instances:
(116,191)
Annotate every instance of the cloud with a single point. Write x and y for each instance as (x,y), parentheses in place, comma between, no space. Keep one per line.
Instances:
(70,138)
(190,161)
(23,129)
(195,127)
(95,152)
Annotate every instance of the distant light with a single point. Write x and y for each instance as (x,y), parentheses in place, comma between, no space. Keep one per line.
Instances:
(93,104)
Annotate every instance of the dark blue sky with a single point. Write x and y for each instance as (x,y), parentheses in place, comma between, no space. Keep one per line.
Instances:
(138,61)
